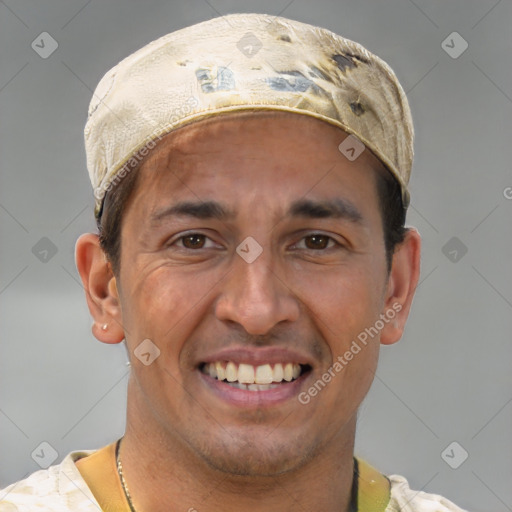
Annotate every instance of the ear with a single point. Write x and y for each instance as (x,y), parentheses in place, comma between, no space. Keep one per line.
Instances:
(100,288)
(403,279)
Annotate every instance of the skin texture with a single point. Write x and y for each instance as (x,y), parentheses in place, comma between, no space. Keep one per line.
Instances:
(185,445)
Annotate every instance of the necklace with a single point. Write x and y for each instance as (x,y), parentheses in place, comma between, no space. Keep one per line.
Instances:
(353,501)
(121,477)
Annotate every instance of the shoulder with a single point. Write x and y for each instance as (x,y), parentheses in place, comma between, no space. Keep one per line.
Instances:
(404,499)
(59,488)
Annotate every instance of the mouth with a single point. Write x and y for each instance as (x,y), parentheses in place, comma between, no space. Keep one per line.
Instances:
(262,377)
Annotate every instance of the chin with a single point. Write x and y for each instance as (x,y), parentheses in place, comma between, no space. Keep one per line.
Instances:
(256,458)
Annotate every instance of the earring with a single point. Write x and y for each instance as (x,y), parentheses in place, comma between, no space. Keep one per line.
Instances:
(104,327)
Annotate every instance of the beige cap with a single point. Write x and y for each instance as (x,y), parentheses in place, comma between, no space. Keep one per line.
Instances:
(245,62)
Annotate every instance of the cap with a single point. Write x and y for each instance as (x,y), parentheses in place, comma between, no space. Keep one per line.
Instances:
(246,62)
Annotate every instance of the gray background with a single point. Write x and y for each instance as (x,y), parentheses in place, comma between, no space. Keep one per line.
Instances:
(448,380)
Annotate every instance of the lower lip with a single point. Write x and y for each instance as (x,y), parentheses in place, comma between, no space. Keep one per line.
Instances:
(246,398)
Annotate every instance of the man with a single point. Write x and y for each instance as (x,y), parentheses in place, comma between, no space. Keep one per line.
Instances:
(250,175)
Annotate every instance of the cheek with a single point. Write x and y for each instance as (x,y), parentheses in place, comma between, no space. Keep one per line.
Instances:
(343,304)
(342,301)
(164,305)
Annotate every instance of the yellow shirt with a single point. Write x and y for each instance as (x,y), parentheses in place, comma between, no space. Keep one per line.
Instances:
(99,471)
(87,480)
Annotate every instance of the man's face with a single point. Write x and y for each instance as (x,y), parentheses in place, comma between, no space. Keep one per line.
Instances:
(318,283)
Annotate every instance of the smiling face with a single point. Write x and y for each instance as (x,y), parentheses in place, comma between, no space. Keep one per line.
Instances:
(252,256)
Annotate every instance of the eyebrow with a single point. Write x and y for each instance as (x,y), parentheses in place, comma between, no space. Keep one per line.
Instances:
(332,208)
(196,209)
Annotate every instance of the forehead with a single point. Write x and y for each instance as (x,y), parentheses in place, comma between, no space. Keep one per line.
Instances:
(260,152)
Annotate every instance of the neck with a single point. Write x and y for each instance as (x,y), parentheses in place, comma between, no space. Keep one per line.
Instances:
(163,473)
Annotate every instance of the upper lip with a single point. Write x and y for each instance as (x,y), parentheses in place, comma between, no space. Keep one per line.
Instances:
(257,356)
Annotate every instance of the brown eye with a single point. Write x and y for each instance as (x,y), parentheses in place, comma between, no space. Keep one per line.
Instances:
(317,241)
(193,241)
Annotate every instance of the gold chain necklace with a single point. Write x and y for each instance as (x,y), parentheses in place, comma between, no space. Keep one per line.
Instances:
(121,477)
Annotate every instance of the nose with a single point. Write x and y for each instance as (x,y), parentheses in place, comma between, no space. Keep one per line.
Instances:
(255,297)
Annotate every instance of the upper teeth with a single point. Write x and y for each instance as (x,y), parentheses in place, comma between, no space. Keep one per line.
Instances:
(248,374)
